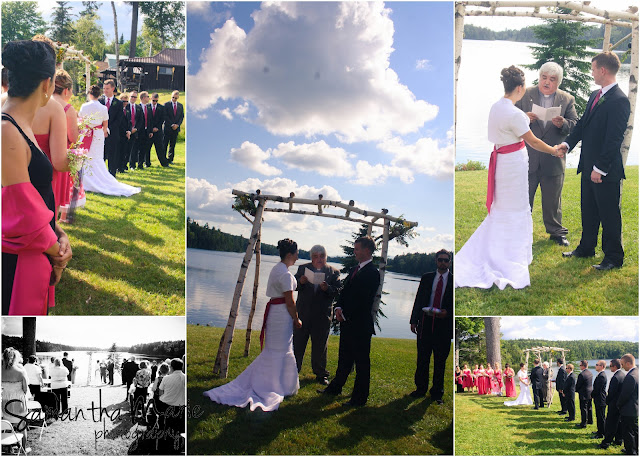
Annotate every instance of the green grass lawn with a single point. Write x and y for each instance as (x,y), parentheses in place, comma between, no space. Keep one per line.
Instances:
(559,286)
(392,422)
(129,252)
(484,426)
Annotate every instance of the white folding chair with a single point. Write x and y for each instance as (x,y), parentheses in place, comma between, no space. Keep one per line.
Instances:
(35,416)
(11,438)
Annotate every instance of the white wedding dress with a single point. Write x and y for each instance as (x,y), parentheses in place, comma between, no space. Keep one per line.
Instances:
(96,176)
(525,394)
(499,251)
(273,375)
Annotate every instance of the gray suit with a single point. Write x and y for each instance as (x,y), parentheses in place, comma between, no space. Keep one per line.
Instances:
(545,169)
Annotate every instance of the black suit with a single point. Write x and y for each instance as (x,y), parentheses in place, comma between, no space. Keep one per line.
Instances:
(628,405)
(111,143)
(570,395)
(584,387)
(68,364)
(133,145)
(170,135)
(537,379)
(434,335)
(599,396)
(157,140)
(601,131)
(612,431)
(561,378)
(356,300)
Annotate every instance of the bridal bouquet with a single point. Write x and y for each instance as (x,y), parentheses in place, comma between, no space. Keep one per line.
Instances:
(78,154)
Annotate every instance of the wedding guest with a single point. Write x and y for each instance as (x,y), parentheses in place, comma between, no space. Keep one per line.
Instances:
(612,429)
(14,390)
(34,376)
(154,370)
(599,397)
(59,383)
(142,381)
(110,369)
(468,378)
(62,181)
(569,392)
(129,371)
(161,371)
(432,320)
(509,381)
(584,387)
(561,378)
(315,310)
(29,228)
(628,405)
(459,378)
(547,392)
(172,394)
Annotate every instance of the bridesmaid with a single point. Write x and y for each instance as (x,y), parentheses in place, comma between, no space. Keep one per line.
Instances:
(509,381)
(476,378)
(498,376)
(491,379)
(459,380)
(482,380)
(468,378)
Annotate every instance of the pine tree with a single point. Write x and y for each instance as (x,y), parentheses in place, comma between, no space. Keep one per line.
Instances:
(21,21)
(62,23)
(563,43)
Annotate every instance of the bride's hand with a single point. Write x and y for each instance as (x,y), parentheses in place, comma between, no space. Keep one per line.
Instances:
(297,323)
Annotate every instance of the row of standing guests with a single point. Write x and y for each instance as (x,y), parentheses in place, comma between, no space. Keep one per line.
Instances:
(486,381)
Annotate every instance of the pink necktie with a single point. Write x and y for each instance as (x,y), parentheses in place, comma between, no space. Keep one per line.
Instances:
(595,102)
(144,108)
(133,116)
(175,109)
(108,103)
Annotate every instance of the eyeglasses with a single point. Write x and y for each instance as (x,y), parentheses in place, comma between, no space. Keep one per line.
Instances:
(174,98)
(154,100)
(443,259)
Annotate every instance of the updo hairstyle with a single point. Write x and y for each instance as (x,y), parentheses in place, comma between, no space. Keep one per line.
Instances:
(9,357)
(287,246)
(63,81)
(95,91)
(28,64)
(511,78)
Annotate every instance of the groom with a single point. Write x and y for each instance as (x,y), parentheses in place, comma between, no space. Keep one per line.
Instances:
(601,130)
(536,384)
(116,113)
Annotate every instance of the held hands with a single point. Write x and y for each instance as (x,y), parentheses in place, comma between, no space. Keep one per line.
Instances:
(297,323)
(174,126)
(339,315)
(561,150)
(558,121)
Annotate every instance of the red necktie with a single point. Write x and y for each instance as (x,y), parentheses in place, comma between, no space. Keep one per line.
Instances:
(355,271)
(595,102)
(144,109)
(175,109)
(133,116)
(108,103)
(436,301)
(154,109)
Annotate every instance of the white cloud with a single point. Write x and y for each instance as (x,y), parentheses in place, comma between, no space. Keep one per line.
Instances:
(550,325)
(425,156)
(316,157)
(423,64)
(242,109)
(251,156)
(205,12)
(283,69)
(620,328)
(515,326)
(569,322)
(226,113)
(368,175)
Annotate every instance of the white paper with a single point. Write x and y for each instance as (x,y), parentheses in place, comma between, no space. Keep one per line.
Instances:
(546,114)
(313,277)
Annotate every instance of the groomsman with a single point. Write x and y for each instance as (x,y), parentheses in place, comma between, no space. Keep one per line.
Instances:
(599,396)
(135,123)
(68,364)
(584,387)
(432,320)
(173,116)
(116,116)
(569,393)
(612,431)
(561,378)
(156,135)
(354,311)
(628,405)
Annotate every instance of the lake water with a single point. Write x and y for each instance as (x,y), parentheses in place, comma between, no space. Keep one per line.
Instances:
(212,276)
(479,87)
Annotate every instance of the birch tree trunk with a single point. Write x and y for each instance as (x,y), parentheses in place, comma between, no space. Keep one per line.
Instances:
(115,26)
(28,336)
(382,267)
(633,92)
(221,367)
(492,334)
(459,36)
(254,301)
(456,353)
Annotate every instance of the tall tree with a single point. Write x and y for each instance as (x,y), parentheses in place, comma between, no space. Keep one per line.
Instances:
(117,45)
(89,37)
(21,21)
(149,41)
(134,29)
(166,19)
(468,329)
(563,43)
(90,8)
(61,28)
(28,336)
(492,333)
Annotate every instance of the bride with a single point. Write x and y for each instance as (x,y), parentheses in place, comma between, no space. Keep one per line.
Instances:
(96,177)
(525,396)
(273,375)
(499,251)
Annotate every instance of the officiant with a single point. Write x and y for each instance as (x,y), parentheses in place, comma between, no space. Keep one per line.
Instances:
(546,170)
(318,284)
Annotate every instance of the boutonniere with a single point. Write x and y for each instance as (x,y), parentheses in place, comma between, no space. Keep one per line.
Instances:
(601,101)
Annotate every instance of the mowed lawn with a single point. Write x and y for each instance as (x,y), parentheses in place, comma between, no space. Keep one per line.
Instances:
(129,252)
(484,426)
(559,286)
(308,423)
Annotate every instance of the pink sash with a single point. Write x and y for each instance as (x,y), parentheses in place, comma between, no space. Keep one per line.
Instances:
(273,301)
(491,184)
(88,137)
(26,232)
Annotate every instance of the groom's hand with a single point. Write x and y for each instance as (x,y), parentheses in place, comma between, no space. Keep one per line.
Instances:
(596,177)
(413,328)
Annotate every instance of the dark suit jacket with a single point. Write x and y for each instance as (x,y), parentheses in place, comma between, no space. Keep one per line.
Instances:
(599,393)
(570,387)
(145,131)
(313,302)
(601,132)
(615,387)
(628,399)
(129,371)
(170,119)
(537,377)
(68,364)
(443,327)
(158,118)
(138,122)
(116,116)
(561,378)
(584,384)
(550,134)
(357,296)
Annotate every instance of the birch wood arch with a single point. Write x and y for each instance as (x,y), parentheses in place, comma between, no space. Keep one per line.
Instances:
(540,351)
(70,53)
(542,9)
(313,207)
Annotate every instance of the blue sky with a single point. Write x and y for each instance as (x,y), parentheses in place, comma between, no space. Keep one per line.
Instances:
(570,328)
(353,101)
